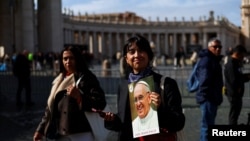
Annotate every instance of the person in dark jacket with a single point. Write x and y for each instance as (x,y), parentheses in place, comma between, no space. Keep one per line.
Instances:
(74,91)
(209,94)
(180,57)
(234,82)
(22,71)
(138,56)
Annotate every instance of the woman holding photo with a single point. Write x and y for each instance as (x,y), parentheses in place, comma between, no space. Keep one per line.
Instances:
(138,56)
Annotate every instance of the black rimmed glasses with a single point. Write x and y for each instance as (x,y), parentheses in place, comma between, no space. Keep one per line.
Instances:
(217,47)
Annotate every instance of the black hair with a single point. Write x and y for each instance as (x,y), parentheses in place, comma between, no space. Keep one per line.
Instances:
(80,65)
(142,43)
(239,49)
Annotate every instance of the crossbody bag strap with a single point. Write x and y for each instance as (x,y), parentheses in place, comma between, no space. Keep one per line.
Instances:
(162,89)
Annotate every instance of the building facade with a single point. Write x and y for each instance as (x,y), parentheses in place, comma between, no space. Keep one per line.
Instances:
(49,27)
(245,22)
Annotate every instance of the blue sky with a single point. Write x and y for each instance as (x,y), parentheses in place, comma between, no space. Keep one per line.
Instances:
(160,8)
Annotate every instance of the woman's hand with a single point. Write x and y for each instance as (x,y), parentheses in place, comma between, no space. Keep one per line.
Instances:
(37,136)
(155,99)
(73,92)
(108,116)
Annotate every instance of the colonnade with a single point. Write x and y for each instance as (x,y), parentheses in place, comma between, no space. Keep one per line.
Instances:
(47,29)
(166,42)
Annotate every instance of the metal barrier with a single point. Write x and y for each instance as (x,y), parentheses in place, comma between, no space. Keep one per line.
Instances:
(41,82)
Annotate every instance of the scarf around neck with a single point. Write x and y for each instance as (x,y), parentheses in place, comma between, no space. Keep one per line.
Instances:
(135,77)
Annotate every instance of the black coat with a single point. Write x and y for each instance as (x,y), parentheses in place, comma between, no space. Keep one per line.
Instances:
(234,78)
(63,116)
(21,66)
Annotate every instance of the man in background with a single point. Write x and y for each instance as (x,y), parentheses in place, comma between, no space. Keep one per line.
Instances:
(22,70)
(234,82)
(209,94)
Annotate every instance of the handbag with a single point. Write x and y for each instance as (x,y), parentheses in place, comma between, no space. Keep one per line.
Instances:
(97,125)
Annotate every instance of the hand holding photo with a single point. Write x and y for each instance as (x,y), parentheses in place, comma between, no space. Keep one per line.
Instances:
(101,113)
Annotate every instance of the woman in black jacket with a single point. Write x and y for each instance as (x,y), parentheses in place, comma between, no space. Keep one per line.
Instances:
(138,56)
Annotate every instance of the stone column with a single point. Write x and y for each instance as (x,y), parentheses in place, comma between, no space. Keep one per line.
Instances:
(200,38)
(72,35)
(205,42)
(125,37)
(24,26)
(79,37)
(174,43)
(7,26)
(86,39)
(158,45)
(90,41)
(64,36)
(150,37)
(103,44)
(110,47)
(166,43)
(50,25)
(192,38)
(67,37)
(118,42)
(95,45)
(183,40)
(221,35)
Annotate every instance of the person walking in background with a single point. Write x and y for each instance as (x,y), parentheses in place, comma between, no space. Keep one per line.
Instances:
(180,57)
(209,94)
(234,82)
(74,91)
(139,56)
(22,71)
(194,57)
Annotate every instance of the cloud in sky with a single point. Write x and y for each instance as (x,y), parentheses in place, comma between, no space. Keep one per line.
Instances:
(161,8)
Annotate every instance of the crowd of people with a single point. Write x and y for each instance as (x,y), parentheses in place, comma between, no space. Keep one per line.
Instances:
(40,61)
(141,106)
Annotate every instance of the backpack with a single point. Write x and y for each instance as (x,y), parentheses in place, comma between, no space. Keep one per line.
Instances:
(193,82)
